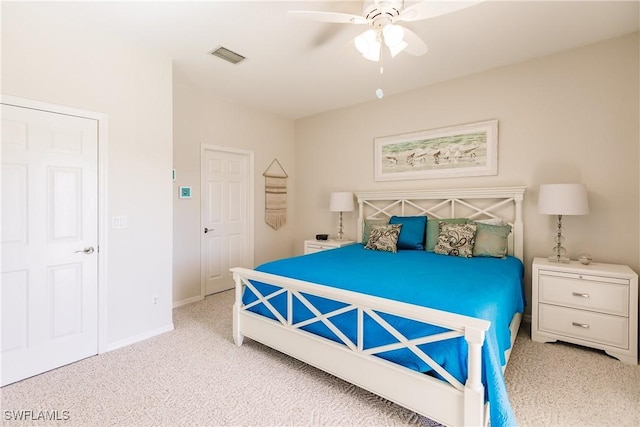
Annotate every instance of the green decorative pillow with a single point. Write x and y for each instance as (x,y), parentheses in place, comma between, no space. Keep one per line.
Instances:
(366,228)
(456,239)
(384,237)
(491,221)
(433,230)
(491,240)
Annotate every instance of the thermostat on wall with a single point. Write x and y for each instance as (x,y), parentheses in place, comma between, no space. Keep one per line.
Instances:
(185,192)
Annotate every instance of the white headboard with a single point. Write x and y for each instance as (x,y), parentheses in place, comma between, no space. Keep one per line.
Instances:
(472,203)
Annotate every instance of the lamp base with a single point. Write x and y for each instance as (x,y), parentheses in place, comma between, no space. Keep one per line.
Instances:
(559,251)
(340,233)
(559,259)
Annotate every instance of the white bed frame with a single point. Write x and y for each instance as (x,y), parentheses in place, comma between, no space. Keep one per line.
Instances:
(447,402)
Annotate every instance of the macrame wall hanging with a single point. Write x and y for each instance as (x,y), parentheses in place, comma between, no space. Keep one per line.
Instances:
(275,188)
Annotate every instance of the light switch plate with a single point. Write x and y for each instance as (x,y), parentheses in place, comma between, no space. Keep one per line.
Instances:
(119,222)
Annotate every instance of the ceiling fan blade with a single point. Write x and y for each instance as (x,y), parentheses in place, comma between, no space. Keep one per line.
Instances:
(415,45)
(328,33)
(430,9)
(336,17)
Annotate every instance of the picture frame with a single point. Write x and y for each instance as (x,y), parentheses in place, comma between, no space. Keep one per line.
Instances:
(456,151)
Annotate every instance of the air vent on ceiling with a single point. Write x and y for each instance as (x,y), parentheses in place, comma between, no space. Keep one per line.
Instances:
(227,55)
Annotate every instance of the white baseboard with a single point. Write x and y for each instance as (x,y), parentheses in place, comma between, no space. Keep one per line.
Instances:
(140,337)
(187,301)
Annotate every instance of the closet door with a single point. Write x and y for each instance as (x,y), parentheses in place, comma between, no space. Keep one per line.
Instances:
(49,241)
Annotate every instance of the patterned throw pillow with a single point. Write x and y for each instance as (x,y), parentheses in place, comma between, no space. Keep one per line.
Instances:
(456,239)
(384,238)
(366,229)
(433,230)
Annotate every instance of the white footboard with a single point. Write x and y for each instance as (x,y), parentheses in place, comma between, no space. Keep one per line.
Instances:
(448,402)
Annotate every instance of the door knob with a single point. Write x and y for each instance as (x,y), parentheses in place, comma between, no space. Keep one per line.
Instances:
(86,251)
(206,230)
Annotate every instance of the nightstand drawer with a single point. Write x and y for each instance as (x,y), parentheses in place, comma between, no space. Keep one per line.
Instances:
(585,292)
(586,325)
(311,248)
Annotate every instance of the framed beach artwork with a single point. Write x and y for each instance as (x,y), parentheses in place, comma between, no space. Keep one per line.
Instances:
(457,151)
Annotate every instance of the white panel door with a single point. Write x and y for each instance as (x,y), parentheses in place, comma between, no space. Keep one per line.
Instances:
(225,236)
(49,241)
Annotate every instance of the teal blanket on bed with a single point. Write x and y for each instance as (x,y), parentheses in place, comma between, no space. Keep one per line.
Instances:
(482,287)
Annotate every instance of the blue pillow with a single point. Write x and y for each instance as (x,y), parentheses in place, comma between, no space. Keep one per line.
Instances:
(412,232)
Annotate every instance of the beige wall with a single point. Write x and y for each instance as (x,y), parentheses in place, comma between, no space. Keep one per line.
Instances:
(570,117)
(199,119)
(67,64)
(566,117)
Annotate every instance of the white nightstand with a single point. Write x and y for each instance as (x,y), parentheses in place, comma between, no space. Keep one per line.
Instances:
(312,245)
(594,305)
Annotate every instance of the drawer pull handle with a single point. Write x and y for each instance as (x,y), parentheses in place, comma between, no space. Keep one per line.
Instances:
(580,325)
(578,294)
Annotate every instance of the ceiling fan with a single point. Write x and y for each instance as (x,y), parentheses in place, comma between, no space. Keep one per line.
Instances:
(382,17)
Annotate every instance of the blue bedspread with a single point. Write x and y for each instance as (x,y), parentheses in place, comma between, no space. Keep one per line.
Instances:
(486,288)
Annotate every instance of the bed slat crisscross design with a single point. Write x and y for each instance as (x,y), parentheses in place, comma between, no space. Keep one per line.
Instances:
(449,402)
(373,310)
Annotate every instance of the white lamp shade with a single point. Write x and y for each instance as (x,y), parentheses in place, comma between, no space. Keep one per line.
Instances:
(396,49)
(362,42)
(368,45)
(563,199)
(393,34)
(374,52)
(341,201)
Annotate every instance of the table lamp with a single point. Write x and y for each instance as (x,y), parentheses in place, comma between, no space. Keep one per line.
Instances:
(341,201)
(562,199)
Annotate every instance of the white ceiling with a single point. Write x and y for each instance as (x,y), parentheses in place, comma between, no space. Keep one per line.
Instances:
(296,68)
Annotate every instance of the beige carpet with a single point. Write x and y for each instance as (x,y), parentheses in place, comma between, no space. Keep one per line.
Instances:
(559,384)
(195,375)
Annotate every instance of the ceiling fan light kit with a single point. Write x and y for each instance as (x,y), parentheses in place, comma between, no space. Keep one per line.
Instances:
(382,17)
(369,43)
(393,35)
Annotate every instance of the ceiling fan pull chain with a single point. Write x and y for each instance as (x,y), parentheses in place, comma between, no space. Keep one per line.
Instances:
(379,92)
